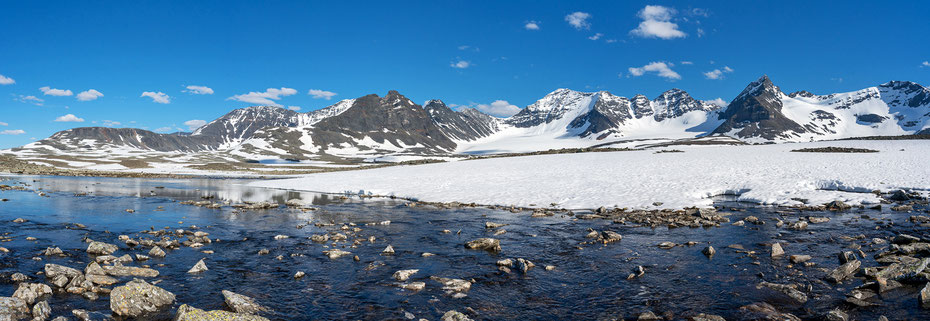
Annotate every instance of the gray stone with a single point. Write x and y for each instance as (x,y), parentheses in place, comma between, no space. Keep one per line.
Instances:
(14,309)
(199,267)
(404,275)
(189,313)
(790,290)
(130,271)
(242,304)
(157,252)
(41,310)
(138,298)
(844,271)
(454,316)
(485,243)
(100,248)
(777,251)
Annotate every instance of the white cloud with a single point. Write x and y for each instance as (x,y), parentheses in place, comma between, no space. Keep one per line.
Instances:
(294,108)
(110,123)
(719,102)
(264,98)
(499,108)
(194,124)
(717,73)
(12,132)
(317,94)
(596,36)
(662,69)
(657,24)
(158,97)
(4,124)
(198,90)
(69,118)
(461,64)
(30,100)
(4,80)
(55,92)
(687,63)
(88,95)
(579,20)
(531,25)
(925,64)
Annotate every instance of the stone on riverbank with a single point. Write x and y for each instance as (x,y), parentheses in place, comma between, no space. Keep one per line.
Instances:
(14,309)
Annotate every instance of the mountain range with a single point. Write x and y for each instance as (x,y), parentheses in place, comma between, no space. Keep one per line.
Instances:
(375,126)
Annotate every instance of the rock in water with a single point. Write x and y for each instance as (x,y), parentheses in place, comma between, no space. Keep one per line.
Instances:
(925,297)
(242,304)
(492,225)
(844,271)
(389,250)
(14,309)
(199,267)
(100,248)
(32,292)
(138,298)
(797,259)
(157,252)
(485,243)
(454,316)
(777,251)
(130,271)
(709,251)
(41,311)
(336,253)
(189,313)
(403,275)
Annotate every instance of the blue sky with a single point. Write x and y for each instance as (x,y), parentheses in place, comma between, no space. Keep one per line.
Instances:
(142,55)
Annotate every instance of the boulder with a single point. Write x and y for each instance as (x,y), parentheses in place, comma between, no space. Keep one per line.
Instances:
(709,251)
(242,304)
(32,292)
(130,271)
(454,316)
(138,298)
(100,248)
(41,311)
(790,290)
(485,243)
(404,275)
(157,252)
(54,270)
(336,253)
(777,251)
(14,309)
(189,313)
(844,271)
(199,267)
(924,296)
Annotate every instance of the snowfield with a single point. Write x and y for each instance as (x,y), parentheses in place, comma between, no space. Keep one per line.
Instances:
(764,174)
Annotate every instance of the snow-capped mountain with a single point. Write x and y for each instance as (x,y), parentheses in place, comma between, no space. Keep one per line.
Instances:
(370,126)
(762,112)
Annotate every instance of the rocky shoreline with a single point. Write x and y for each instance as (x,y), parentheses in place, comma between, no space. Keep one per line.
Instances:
(901,260)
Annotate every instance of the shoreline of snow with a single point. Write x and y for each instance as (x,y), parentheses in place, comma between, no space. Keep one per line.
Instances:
(763,174)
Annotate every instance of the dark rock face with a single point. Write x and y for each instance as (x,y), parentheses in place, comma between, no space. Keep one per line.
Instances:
(76,139)
(392,120)
(916,94)
(468,124)
(869,118)
(756,112)
(242,123)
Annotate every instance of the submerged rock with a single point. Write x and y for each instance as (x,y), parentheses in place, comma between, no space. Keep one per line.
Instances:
(242,304)
(189,313)
(709,251)
(485,243)
(138,298)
